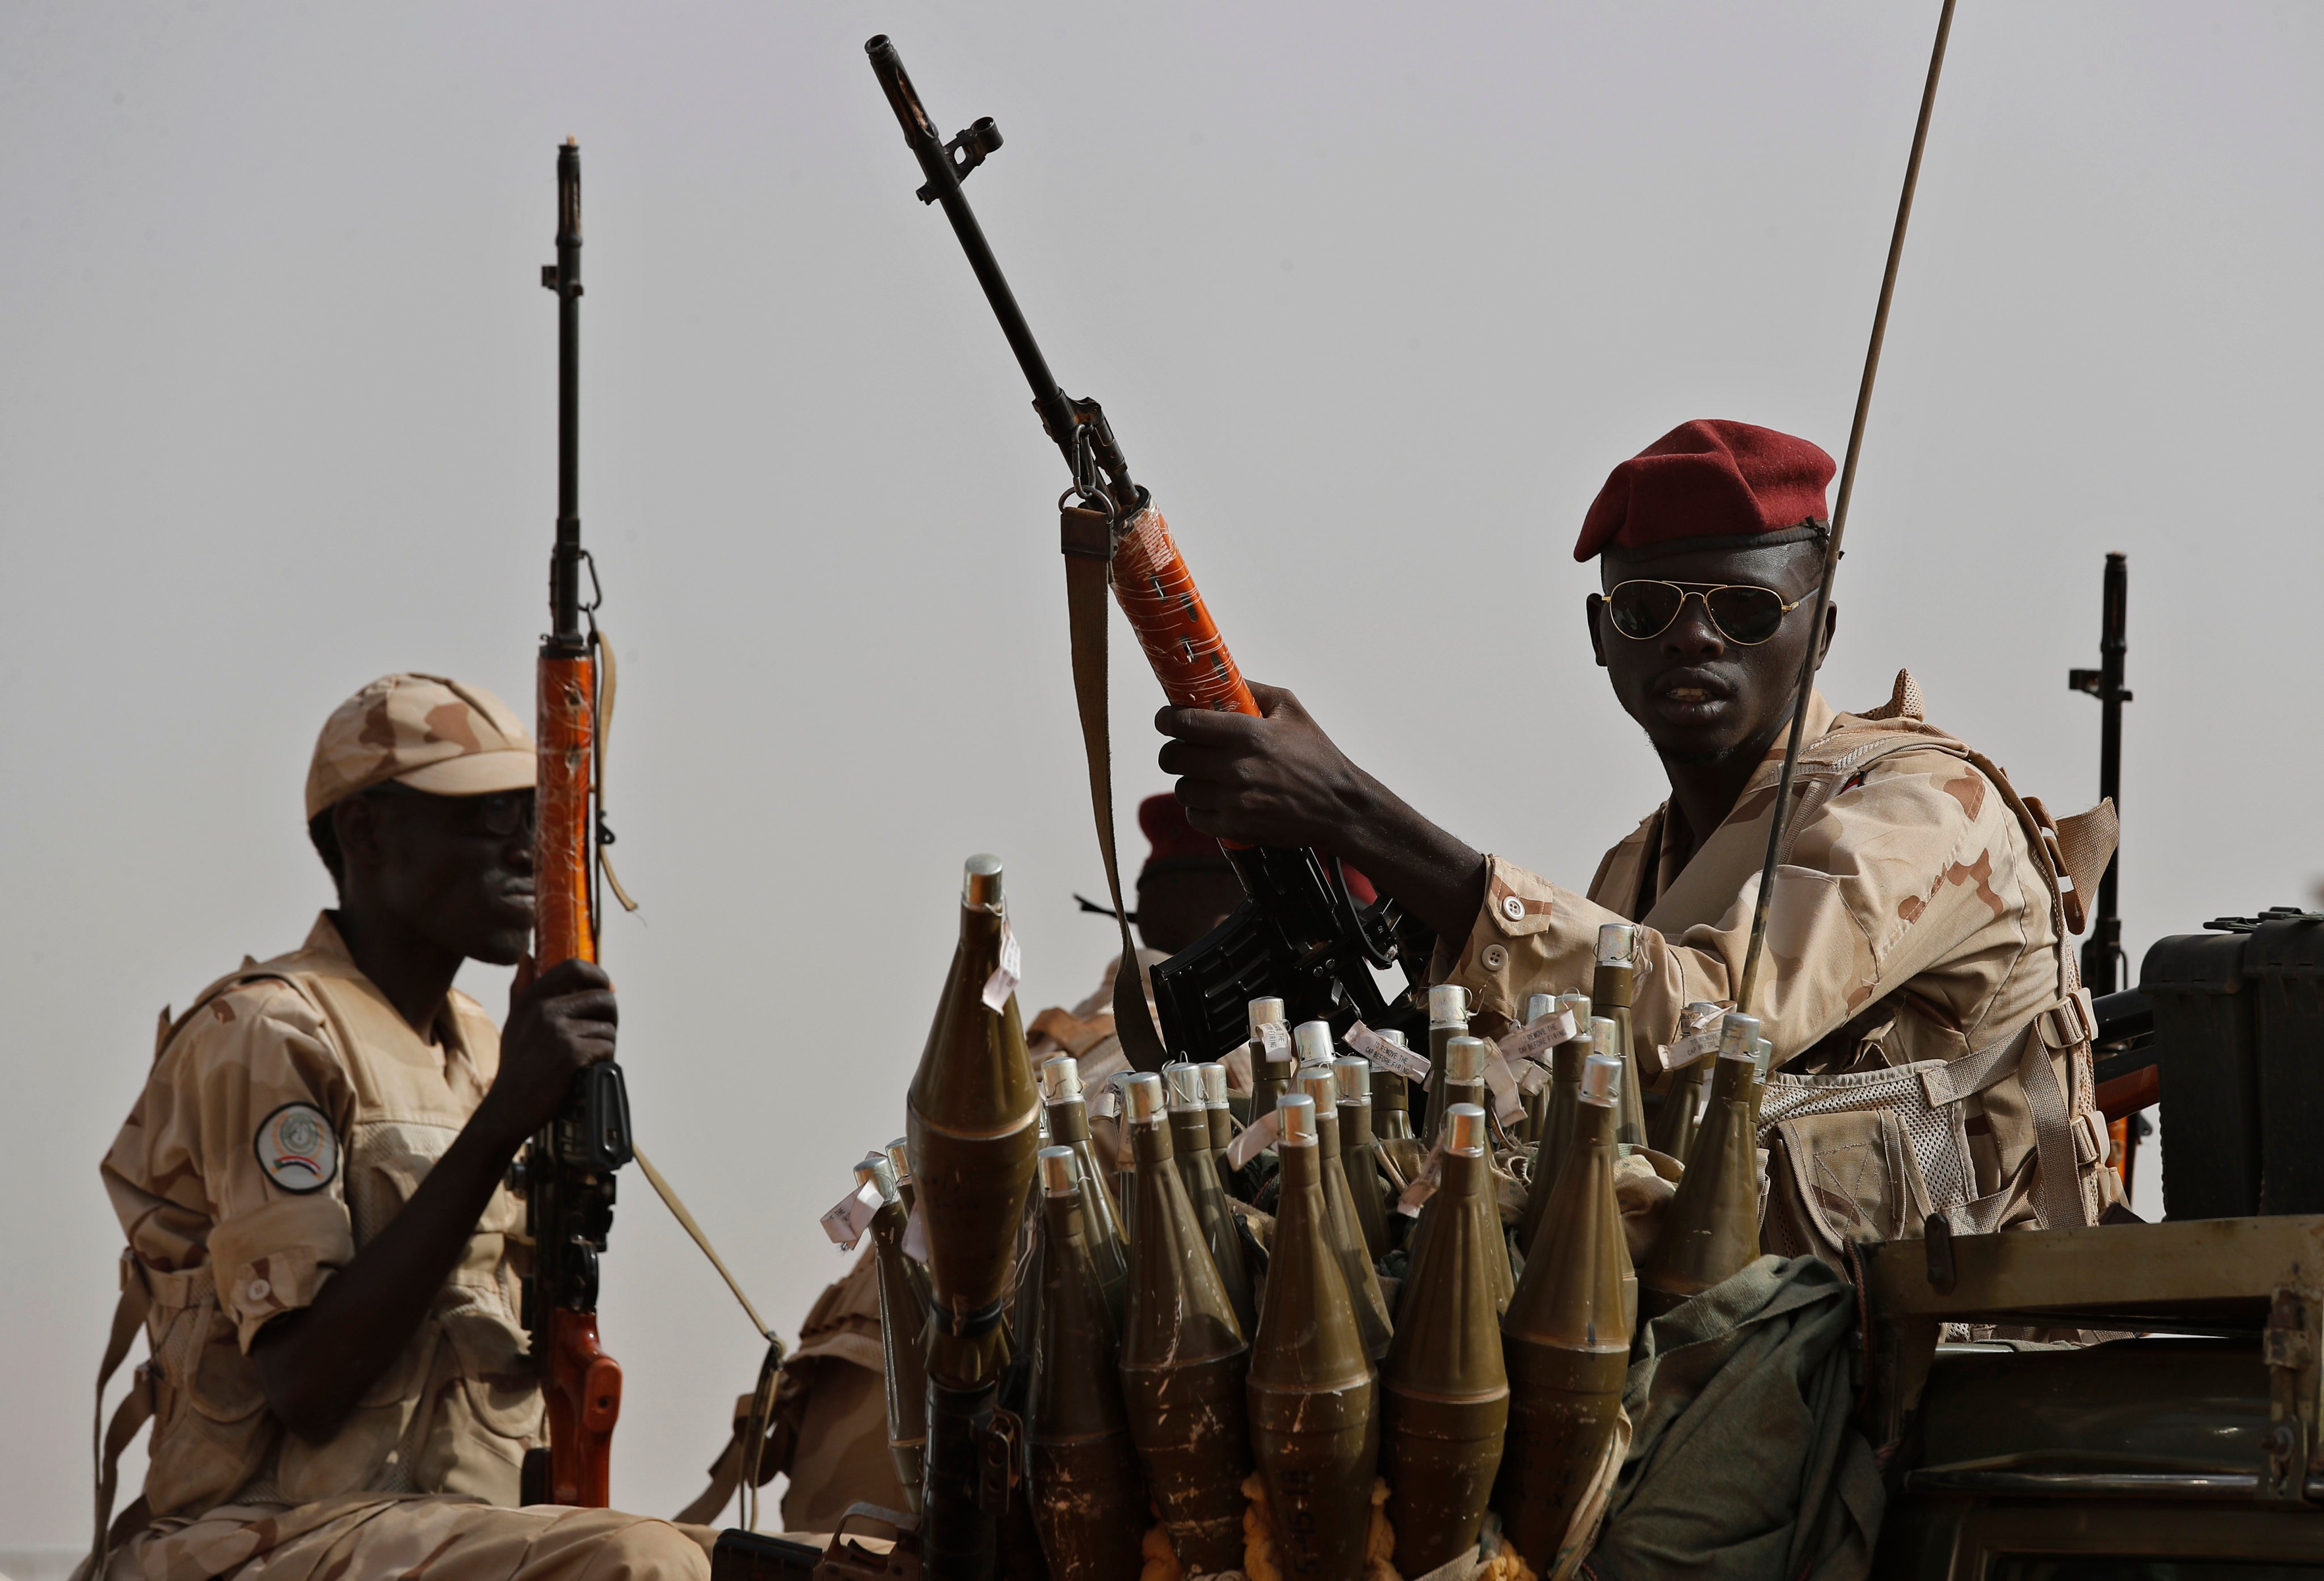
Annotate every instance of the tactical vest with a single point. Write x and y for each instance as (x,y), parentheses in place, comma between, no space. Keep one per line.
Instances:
(1870,1155)
(454,1414)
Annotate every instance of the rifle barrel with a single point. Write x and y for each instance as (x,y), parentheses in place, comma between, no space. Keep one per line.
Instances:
(2103,960)
(565,567)
(935,161)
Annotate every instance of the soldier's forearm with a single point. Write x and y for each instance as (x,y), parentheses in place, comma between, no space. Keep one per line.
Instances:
(1436,876)
(315,1365)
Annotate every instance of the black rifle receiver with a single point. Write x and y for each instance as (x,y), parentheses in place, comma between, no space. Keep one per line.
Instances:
(1299,935)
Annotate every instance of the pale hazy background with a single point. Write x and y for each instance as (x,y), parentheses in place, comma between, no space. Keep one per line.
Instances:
(1375,296)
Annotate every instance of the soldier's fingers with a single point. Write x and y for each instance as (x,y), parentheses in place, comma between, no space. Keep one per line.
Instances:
(1206,728)
(597,1005)
(1199,762)
(1274,700)
(573,976)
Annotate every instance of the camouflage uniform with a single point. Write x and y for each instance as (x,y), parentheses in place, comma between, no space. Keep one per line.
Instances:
(1917,917)
(290,1115)
(225,1235)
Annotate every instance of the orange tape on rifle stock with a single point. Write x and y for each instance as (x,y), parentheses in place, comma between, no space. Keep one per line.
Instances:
(1182,642)
(1157,592)
(561,925)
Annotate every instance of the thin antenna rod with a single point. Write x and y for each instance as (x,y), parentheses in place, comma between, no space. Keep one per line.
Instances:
(1744,993)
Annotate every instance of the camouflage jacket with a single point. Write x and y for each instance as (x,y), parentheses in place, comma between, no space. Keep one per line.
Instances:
(1916,920)
(289,1116)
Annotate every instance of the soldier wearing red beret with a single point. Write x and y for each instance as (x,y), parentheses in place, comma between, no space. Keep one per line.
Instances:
(1920,910)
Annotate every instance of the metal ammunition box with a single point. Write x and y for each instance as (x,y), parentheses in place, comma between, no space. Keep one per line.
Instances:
(2239,1044)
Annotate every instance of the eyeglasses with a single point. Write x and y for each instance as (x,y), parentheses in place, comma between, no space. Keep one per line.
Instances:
(497,816)
(1744,613)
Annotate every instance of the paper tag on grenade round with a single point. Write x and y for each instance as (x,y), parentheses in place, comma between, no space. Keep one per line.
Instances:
(1274,1038)
(1424,1184)
(1008,974)
(1535,1041)
(1252,1140)
(848,1218)
(1501,1080)
(1386,1055)
(1678,1055)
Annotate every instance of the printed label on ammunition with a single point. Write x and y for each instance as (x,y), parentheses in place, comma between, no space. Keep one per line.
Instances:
(846,1221)
(1255,1139)
(1276,1038)
(1689,1048)
(1007,975)
(1535,1041)
(1386,1055)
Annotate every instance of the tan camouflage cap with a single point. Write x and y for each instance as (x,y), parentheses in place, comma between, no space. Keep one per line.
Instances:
(426,731)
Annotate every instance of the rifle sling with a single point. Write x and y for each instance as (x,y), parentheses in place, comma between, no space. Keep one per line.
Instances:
(1086,537)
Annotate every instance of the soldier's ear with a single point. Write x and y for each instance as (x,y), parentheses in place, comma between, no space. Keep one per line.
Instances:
(1831,625)
(1596,638)
(356,821)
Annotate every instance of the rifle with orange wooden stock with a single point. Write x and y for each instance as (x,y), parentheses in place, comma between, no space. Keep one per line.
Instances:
(1299,935)
(567,1172)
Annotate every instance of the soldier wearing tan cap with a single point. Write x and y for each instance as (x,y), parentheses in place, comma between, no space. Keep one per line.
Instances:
(321,1250)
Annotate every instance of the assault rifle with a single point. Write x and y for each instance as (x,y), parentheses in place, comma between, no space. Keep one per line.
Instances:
(567,1172)
(2102,957)
(1299,934)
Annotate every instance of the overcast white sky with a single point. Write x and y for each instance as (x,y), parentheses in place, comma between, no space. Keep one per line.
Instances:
(1374,294)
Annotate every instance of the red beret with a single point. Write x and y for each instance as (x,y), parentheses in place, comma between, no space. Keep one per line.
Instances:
(1177,844)
(1708,479)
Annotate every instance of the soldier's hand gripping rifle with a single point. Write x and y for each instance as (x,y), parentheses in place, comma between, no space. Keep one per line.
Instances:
(1299,934)
(567,1172)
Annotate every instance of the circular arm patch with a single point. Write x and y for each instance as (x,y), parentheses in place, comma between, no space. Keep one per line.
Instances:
(297,1148)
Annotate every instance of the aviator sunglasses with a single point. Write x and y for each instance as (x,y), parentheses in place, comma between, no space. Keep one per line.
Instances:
(1744,614)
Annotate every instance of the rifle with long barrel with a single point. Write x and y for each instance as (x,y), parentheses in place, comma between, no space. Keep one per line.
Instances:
(1299,934)
(2102,957)
(566,1173)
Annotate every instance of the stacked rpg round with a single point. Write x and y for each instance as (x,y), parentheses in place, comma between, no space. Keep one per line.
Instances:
(1313,1429)
(1445,1395)
(1566,1337)
(1088,1498)
(971,1117)
(1184,1354)
(1612,988)
(1067,1108)
(1711,1229)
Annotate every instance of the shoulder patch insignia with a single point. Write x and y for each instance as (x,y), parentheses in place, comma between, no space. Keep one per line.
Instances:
(297,1148)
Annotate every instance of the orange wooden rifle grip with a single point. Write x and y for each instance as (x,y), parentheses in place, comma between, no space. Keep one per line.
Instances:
(562,847)
(1157,592)
(1182,642)
(583,1391)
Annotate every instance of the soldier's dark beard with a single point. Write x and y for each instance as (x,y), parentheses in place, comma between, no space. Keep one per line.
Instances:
(1701,760)
(1754,749)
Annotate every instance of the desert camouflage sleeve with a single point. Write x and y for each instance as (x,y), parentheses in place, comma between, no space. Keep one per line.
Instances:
(185,1173)
(1920,864)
